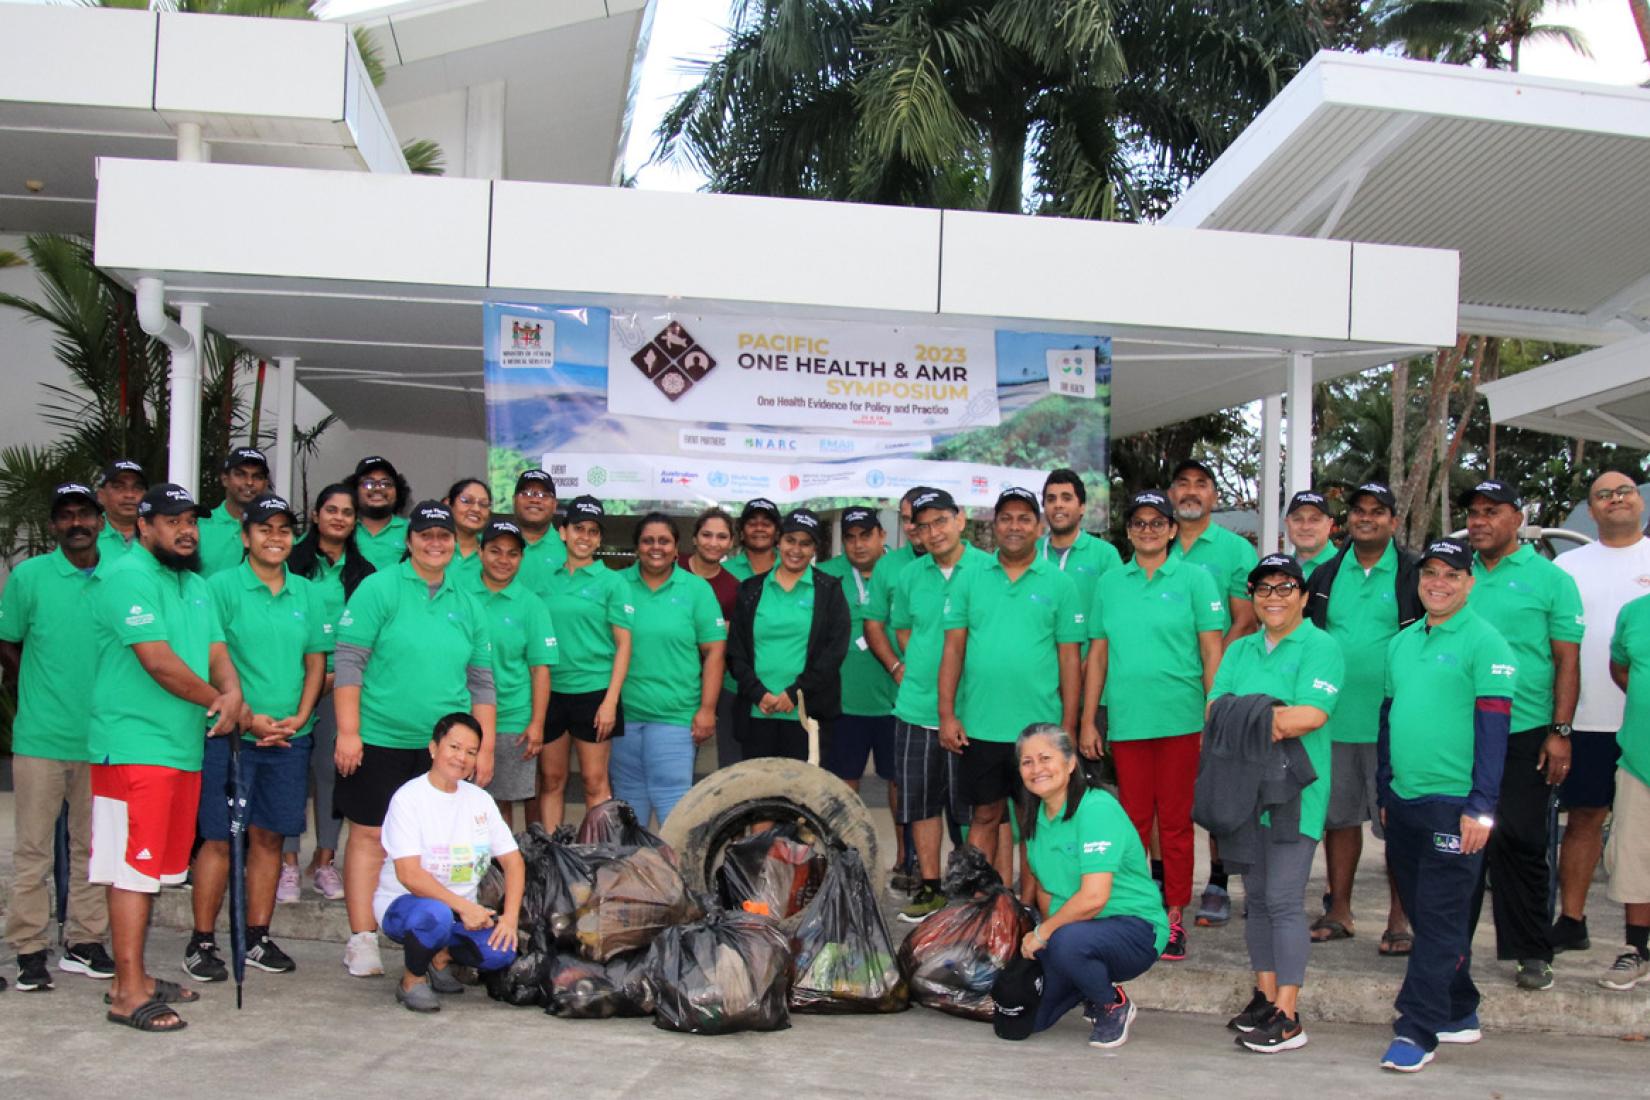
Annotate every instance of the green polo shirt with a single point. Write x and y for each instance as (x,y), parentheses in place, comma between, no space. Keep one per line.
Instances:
(919,606)
(542,558)
(135,720)
(880,598)
(268,635)
(1363,617)
(1154,669)
(586,605)
(1227,557)
(867,689)
(466,569)
(1305,669)
(328,583)
(783,620)
(421,647)
(1533,603)
(1083,561)
(1098,839)
(1435,678)
(48,606)
(112,545)
(385,548)
(522,637)
(221,547)
(1310,565)
(1630,648)
(1011,670)
(667,627)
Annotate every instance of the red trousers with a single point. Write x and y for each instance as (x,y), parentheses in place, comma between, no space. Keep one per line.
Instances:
(1154,782)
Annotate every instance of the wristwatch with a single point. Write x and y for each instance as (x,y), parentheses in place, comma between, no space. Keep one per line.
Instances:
(1485,820)
(1562,729)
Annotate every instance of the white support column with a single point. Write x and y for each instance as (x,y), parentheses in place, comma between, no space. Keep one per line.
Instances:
(185,439)
(191,146)
(1300,423)
(286,452)
(1271,470)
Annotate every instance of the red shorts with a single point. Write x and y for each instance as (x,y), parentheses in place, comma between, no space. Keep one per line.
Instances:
(143,825)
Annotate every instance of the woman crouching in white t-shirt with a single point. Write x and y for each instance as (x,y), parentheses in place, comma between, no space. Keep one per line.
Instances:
(441,834)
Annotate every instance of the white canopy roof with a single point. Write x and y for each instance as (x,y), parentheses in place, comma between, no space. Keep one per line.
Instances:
(1602,395)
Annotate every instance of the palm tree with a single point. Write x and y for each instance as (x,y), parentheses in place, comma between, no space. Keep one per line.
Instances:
(1490,32)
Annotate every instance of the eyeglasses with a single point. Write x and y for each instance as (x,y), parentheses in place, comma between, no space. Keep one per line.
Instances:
(1620,492)
(474,502)
(1284,588)
(931,525)
(1153,525)
(377,483)
(536,494)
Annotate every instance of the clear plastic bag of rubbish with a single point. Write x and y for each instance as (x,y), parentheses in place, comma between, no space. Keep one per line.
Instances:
(729,972)
(634,897)
(843,955)
(774,873)
(613,823)
(952,958)
(580,989)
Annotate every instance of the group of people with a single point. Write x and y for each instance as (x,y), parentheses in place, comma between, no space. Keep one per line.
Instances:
(396,651)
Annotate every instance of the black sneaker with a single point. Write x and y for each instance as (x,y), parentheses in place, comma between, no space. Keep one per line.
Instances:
(89,959)
(203,964)
(1279,1033)
(1568,934)
(1254,1014)
(33,975)
(1175,950)
(267,957)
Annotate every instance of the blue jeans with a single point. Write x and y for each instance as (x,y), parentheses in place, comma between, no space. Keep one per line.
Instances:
(652,767)
(277,782)
(423,926)
(1436,887)
(1084,961)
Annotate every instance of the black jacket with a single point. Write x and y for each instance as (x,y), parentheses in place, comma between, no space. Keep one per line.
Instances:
(1242,773)
(1406,588)
(821,677)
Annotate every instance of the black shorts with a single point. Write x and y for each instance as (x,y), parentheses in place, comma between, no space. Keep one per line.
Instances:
(781,737)
(855,740)
(1591,784)
(989,772)
(574,712)
(364,796)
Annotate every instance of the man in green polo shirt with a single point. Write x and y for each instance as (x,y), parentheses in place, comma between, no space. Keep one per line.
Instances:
(245,478)
(118,492)
(1078,554)
(1537,608)
(381,496)
(1362,597)
(535,513)
(1450,683)
(1011,632)
(929,780)
(1309,524)
(880,598)
(1627,857)
(163,676)
(47,642)
(758,539)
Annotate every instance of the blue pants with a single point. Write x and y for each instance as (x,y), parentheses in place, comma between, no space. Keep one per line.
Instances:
(423,926)
(652,767)
(277,782)
(1085,961)
(1435,885)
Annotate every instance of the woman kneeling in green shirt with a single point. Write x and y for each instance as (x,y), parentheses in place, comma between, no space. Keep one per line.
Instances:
(1103,918)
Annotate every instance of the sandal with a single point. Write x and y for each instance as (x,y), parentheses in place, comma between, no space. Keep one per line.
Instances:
(1396,944)
(167,993)
(1336,930)
(151,1015)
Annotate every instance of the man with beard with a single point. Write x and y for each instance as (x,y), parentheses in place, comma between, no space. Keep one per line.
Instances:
(1309,524)
(543,552)
(118,491)
(381,495)
(163,674)
(245,478)
(758,535)
(45,635)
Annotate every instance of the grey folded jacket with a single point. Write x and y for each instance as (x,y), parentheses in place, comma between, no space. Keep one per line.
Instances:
(1242,773)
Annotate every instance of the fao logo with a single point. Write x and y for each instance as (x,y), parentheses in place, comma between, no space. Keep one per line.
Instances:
(674,361)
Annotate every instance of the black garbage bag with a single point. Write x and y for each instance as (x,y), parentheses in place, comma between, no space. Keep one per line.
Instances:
(534,844)
(844,956)
(580,989)
(614,823)
(520,983)
(954,956)
(967,873)
(775,872)
(729,972)
(635,897)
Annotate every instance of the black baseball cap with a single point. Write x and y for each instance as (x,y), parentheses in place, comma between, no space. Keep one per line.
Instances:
(72,491)
(1452,552)
(123,466)
(245,456)
(863,518)
(1277,563)
(500,528)
(430,513)
(801,520)
(265,507)
(1497,492)
(535,477)
(1191,464)
(583,508)
(1307,499)
(1024,496)
(1377,489)
(910,495)
(932,498)
(759,506)
(167,499)
(375,462)
(1017,994)
(1152,499)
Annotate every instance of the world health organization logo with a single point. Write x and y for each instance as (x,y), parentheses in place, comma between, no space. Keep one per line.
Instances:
(674,361)
(717,479)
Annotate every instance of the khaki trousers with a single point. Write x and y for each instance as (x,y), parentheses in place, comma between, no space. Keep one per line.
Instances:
(41,786)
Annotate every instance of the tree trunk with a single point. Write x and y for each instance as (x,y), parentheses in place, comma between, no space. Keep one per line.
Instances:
(1641,20)
(1417,471)
(1400,417)
(1005,192)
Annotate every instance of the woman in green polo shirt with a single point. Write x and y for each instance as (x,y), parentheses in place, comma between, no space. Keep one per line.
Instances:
(1296,663)
(472,505)
(1103,920)
(677,640)
(587,605)
(412,646)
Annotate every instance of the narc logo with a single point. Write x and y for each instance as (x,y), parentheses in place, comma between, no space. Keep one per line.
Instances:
(674,361)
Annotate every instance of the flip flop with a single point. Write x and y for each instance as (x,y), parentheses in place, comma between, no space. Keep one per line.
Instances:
(151,1015)
(1336,930)
(1396,944)
(167,993)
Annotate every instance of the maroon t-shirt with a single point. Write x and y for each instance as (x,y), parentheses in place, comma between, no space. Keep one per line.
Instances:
(724,584)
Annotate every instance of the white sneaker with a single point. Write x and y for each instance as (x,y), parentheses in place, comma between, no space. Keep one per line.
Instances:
(361,956)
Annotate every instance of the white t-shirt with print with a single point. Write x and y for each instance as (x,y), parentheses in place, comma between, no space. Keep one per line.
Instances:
(455,837)
(1608,577)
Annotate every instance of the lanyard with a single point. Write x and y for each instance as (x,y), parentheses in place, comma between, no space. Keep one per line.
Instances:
(1064,554)
(859,582)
